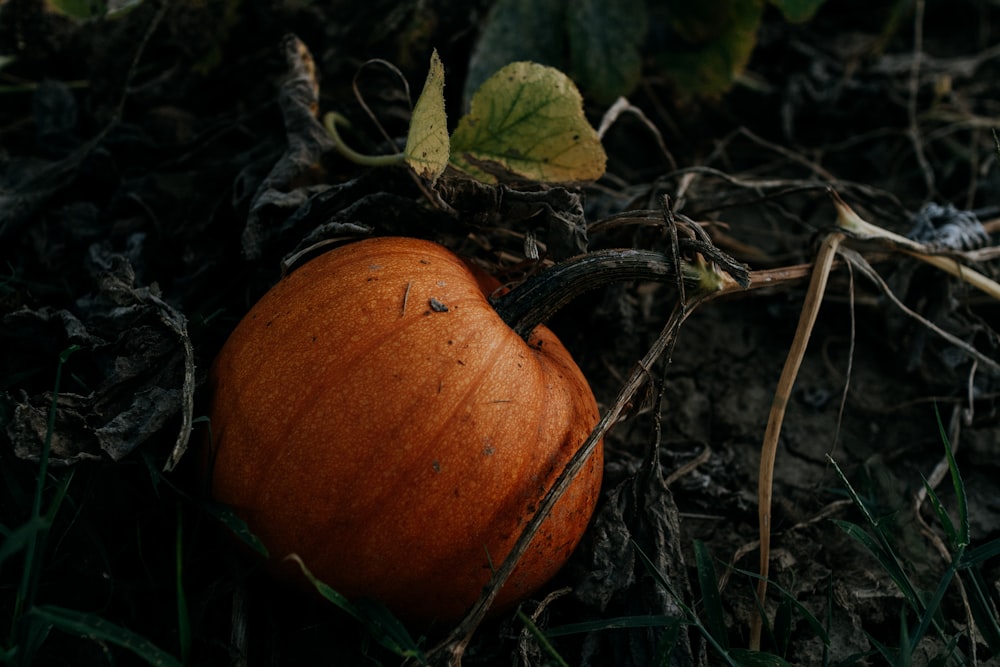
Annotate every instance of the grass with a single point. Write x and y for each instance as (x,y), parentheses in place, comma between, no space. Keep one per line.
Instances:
(31,622)
(925,607)
(923,612)
(176,555)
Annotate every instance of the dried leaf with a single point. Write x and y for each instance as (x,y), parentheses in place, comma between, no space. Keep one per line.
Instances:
(427,144)
(557,211)
(639,511)
(135,357)
(527,122)
(307,141)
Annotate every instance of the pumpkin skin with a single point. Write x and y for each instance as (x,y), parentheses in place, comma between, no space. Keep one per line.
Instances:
(374,415)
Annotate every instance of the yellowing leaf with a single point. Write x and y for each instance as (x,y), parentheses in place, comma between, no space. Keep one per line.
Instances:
(527,122)
(427,142)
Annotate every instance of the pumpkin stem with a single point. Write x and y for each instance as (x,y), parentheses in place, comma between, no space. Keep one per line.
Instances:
(539,297)
(331,120)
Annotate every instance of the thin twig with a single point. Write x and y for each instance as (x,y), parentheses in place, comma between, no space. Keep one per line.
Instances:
(858,228)
(862,264)
(911,106)
(361,98)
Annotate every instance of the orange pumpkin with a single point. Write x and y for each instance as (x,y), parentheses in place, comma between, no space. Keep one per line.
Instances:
(374,415)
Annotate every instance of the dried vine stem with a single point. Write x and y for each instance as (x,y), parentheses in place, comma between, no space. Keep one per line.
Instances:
(849,225)
(769,448)
(858,228)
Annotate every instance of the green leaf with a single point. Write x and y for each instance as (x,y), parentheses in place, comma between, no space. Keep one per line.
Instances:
(427,142)
(708,582)
(797,11)
(517,30)
(527,121)
(604,41)
(94,627)
(720,36)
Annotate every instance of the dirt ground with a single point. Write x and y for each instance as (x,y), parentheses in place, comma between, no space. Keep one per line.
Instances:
(136,154)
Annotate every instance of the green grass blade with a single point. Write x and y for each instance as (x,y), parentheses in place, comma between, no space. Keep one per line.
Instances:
(384,627)
(888,654)
(388,630)
(708,581)
(91,626)
(887,560)
(904,657)
(882,549)
(944,655)
(818,628)
(980,554)
(30,637)
(327,591)
(984,612)
(542,640)
(747,658)
(691,615)
(782,626)
(236,526)
(668,641)
(942,514)
(34,549)
(183,615)
(617,623)
(959,486)
(18,539)
(767,630)
(933,603)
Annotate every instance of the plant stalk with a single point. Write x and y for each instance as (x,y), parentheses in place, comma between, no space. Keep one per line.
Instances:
(330,122)
(538,298)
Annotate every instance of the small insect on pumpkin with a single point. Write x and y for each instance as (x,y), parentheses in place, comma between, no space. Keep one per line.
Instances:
(373,414)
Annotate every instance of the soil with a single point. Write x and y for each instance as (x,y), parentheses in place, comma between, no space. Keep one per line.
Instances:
(157,168)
